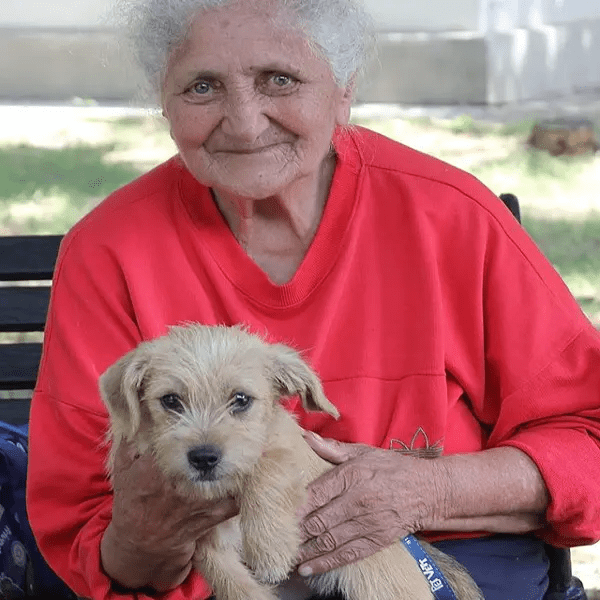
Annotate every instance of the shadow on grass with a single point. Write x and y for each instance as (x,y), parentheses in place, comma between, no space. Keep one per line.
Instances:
(77,171)
(573,247)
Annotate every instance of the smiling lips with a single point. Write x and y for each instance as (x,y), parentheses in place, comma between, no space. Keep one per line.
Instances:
(242,150)
(246,151)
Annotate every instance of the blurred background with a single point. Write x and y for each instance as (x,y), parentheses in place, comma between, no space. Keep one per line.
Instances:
(440,51)
(464,80)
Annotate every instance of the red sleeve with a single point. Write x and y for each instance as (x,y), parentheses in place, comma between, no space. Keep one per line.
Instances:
(530,362)
(91,323)
(551,392)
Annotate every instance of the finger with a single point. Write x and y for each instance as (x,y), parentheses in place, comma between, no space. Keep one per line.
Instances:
(143,474)
(347,554)
(217,513)
(327,505)
(375,527)
(332,515)
(320,493)
(204,515)
(331,450)
(166,586)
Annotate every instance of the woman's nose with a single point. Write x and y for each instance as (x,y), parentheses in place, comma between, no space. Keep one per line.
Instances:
(244,117)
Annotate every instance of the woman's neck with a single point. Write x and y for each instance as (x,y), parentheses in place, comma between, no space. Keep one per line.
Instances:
(276,232)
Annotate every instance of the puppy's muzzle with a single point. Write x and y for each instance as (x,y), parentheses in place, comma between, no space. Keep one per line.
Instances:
(204,460)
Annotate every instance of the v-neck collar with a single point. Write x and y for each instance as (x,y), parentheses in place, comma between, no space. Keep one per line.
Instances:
(322,254)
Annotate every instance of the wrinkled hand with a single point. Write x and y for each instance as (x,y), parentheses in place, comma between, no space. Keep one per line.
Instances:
(370,500)
(153,525)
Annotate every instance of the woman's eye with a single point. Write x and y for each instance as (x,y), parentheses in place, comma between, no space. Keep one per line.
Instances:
(240,402)
(281,80)
(172,402)
(202,88)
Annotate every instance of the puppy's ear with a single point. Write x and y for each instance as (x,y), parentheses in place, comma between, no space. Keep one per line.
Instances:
(121,389)
(291,375)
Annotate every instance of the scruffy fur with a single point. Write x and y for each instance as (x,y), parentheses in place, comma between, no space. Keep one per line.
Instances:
(258,455)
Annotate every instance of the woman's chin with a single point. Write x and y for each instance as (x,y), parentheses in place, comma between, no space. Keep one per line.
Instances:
(259,175)
(251,187)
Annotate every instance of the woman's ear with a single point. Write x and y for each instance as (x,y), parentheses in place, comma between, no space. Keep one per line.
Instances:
(345,101)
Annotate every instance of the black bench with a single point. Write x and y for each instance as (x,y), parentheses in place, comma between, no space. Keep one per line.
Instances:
(26,268)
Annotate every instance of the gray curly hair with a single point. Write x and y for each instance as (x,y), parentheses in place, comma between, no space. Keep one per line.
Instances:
(340,30)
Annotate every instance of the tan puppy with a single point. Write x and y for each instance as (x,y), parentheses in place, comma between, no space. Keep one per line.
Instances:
(206,402)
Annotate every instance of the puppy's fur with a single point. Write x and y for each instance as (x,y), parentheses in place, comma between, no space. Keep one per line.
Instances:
(206,402)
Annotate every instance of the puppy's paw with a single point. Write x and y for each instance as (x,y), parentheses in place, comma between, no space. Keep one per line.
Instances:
(269,571)
(271,558)
(271,577)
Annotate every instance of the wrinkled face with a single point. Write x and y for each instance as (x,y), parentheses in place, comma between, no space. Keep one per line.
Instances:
(252,109)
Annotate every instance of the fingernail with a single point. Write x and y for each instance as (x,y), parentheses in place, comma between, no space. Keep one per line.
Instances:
(305,571)
(306,432)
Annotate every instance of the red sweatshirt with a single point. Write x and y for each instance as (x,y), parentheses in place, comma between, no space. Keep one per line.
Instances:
(431,317)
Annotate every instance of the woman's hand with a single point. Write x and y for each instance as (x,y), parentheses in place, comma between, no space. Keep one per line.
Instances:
(375,497)
(370,500)
(153,533)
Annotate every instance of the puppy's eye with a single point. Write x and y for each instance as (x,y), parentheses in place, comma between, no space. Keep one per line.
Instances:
(172,402)
(240,402)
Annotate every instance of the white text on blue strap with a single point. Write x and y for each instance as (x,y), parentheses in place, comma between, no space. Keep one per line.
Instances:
(435,583)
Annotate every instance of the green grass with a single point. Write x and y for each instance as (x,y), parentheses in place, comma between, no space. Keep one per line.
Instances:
(537,166)
(533,175)
(573,247)
(465,124)
(123,122)
(79,171)
(45,190)
(517,128)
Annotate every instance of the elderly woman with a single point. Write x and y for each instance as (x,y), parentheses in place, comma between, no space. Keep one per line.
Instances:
(433,320)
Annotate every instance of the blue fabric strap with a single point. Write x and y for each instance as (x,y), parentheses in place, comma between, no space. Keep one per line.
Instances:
(439,585)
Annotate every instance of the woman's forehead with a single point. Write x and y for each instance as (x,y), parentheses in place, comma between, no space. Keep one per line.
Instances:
(219,40)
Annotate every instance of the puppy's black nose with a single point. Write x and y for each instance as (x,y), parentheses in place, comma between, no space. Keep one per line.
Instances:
(204,458)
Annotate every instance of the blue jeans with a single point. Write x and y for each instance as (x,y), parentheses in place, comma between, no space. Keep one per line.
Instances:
(505,567)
